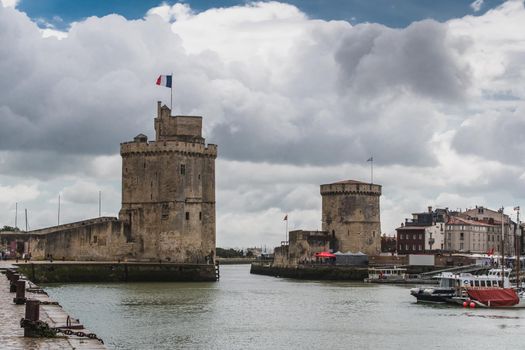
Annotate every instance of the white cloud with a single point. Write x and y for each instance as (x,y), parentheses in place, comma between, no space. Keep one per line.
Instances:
(18,193)
(177,12)
(49,32)
(9,3)
(476,5)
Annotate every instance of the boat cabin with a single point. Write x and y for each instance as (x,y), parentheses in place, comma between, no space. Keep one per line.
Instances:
(377,273)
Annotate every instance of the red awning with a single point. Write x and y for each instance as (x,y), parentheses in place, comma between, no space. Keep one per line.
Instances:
(494,297)
(324,255)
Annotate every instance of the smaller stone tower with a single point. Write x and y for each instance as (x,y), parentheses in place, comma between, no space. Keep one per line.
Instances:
(351,215)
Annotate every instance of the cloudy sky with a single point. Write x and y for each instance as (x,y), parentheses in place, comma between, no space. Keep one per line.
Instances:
(295,94)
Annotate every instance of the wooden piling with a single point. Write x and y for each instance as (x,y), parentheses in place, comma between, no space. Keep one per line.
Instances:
(12,287)
(20,292)
(32,314)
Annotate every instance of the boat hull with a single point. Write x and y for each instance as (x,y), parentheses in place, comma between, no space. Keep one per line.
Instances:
(432,295)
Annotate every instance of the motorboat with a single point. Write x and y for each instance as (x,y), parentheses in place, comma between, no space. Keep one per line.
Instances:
(453,287)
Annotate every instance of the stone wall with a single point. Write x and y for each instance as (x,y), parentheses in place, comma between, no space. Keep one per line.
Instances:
(351,213)
(304,245)
(104,240)
(58,272)
(330,272)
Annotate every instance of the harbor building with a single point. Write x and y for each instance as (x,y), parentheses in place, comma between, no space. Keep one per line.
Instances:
(475,230)
(168,204)
(464,235)
(486,215)
(425,232)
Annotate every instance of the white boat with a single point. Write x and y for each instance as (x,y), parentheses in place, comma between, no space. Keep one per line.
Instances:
(386,274)
(453,287)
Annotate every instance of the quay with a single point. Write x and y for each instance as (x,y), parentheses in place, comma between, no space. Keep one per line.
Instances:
(115,271)
(312,272)
(72,333)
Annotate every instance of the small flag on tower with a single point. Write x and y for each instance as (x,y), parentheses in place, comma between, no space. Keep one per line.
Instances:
(285,217)
(164,80)
(516,208)
(371,159)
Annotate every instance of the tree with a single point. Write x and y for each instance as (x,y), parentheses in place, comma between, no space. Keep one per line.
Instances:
(9,228)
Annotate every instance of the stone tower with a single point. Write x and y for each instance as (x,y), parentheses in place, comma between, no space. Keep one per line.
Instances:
(351,215)
(168,191)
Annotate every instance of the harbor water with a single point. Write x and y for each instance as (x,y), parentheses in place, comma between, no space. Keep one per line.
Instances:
(244,311)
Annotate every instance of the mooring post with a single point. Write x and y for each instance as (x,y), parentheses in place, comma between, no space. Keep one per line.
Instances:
(32,315)
(15,277)
(8,274)
(20,292)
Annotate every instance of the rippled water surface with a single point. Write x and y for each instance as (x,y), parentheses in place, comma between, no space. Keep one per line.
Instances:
(245,311)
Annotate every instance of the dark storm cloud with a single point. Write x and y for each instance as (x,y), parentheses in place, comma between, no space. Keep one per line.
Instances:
(423,58)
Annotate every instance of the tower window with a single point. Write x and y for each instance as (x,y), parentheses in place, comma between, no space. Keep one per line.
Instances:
(200,215)
(183,169)
(144,165)
(187,215)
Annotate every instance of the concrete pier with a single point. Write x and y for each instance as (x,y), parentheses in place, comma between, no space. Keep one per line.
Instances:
(12,334)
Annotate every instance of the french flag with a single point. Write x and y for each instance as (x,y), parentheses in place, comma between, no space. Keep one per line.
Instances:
(164,80)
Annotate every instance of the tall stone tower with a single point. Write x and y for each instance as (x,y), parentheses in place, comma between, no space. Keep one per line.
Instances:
(168,191)
(351,215)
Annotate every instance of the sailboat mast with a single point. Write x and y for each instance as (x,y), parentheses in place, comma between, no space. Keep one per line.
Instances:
(502,249)
(517,238)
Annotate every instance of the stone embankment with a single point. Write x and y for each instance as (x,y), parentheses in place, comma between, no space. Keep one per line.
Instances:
(92,271)
(30,303)
(312,272)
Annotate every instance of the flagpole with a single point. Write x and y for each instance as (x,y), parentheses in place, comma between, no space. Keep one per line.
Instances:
(171,96)
(371,160)
(286,228)
(372,170)
(99,203)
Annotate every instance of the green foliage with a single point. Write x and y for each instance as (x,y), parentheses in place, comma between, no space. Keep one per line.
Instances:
(8,228)
(229,253)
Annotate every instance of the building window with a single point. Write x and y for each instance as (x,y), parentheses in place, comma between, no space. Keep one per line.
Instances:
(406,246)
(461,246)
(420,236)
(200,215)
(420,247)
(413,247)
(461,236)
(165,213)
(187,215)
(95,239)
(414,236)
(183,169)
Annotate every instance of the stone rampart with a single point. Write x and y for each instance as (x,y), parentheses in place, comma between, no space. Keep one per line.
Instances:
(179,147)
(58,272)
(351,188)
